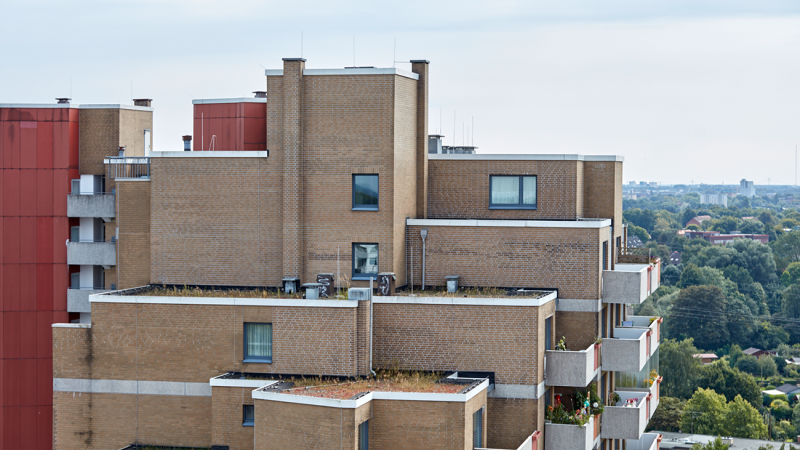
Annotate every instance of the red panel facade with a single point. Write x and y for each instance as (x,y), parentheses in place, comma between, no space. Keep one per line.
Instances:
(38,150)
(237,126)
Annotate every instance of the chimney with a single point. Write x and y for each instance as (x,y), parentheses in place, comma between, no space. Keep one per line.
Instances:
(63,101)
(260,94)
(122,151)
(142,102)
(187,143)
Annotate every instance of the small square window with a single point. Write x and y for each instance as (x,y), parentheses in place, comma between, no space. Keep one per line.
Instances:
(249,415)
(365,192)
(258,342)
(512,192)
(365,261)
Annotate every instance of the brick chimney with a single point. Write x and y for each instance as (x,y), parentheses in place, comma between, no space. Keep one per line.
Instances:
(142,102)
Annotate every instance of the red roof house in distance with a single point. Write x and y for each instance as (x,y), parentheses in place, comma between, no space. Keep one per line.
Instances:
(757,352)
(706,358)
(698,221)
(224,124)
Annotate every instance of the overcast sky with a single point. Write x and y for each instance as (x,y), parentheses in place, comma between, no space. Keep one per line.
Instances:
(685,90)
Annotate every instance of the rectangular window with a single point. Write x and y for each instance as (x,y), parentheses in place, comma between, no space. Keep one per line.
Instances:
(477,429)
(258,342)
(365,261)
(363,435)
(249,415)
(75,234)
(75,280)
(365,192)
(605,255)
(512,192)
(548,333)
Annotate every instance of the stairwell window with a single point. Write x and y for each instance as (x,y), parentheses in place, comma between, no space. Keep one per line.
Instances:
(249,415)
(512,192)
(363,435)
(365,261)
(365,192)
(258,342)
(477,429)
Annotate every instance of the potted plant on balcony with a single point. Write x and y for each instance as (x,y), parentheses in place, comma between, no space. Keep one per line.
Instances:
(613,398)
(562,344)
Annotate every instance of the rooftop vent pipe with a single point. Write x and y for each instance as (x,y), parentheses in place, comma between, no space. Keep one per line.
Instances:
(260,94)
(424,234)
(62,101)
(142,102)
(187,143)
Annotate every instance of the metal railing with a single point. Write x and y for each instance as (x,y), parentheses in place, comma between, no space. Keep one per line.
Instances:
(113,192)
(632,255)
(110,241)
(84,288)
(127,166)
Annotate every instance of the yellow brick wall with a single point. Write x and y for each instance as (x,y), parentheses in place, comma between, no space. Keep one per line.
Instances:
(133,245)
(227,414)
(99,137)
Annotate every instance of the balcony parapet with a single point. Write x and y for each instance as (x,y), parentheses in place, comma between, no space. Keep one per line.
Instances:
(631,283)
(78,299)
(571,368)
(648,441)
(572,437)
(629,349)
(92,253)
(628,418)
(91,205)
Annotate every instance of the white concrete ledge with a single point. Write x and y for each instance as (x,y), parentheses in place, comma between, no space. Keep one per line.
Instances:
(114,106)
(72,325)
(527,157)
(210,101)
(361,71)
(234,382)
(591,223)
(131,387)
(212,154)
(221,301)
(74,106)
(508,301)
(374,395)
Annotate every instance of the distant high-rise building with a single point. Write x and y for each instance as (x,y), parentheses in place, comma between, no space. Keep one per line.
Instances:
(714,199)
(746,188)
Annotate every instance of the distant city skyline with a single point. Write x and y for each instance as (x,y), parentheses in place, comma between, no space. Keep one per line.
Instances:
(683,90)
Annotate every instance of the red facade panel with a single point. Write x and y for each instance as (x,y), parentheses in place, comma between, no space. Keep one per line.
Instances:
(27,338)
(13,137)
(11,421)
(10,288)
(44,287)
(44,240)
(60,285)
(27,382)
(61,316)
(44,426)
(74,159)
(11,192)
(44,192)
(44,145)
(44,381)
(28,144)
(27,240)
(27,192)
(255,110)
(73,115)
(28,427)
(44,343)
(11,240)
(10,338)
(60,145)
(27,287)
(60,236)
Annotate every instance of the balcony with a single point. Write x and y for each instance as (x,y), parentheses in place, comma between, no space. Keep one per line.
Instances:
(627,418)
(92,253)
(631,347)
(91,205)
(571,368)
(631,283)
(572,437)
(648,441)
(78,298)
(127,167)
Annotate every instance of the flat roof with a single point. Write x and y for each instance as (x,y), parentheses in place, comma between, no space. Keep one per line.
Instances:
(358,71)
(75,106)
(210,154)
(528,157)
(586,223)
(208,101)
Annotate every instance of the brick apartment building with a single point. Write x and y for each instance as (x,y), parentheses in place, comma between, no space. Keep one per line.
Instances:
(198,344)
(57,227)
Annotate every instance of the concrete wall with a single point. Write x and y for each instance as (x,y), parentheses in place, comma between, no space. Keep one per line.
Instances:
(90,206)
(91,253)
(133,229)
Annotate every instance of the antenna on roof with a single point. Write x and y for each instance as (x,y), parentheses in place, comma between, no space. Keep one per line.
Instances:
(454,128)
(354,51)
(394,55)
(440,120)
(301,43)
(473,132)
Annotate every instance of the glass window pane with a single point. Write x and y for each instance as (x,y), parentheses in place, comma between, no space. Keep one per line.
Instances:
(365,190)
(505,190)
(365,259)
(249,415)
(259,340)
(529,190)
(363,436)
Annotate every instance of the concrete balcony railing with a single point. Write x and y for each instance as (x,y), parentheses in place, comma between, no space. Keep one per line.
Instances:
(630,283)
(571,437)
(78,299)
(631,347)
(571,368)
(648,441)
(628,418)
(92,253)
(91,205)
